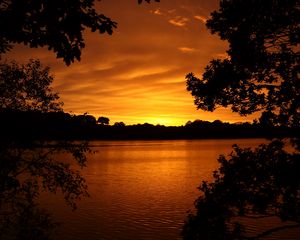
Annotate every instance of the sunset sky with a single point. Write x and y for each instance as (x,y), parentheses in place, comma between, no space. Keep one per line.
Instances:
(137,75)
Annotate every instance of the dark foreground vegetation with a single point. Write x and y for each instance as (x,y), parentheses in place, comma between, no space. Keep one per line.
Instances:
(29,166)
(260,74)
(60,126)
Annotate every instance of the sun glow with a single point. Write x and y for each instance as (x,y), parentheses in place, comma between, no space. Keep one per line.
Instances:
(137,75)
(166,121)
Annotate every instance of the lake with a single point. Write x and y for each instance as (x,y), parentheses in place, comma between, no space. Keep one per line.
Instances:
(140,189)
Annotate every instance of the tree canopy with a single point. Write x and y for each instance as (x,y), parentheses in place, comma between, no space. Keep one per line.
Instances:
(103,120)
(28,168)
(26,87)
(260,74)
(29,165)
(255,185)
(262,70)
(56,24)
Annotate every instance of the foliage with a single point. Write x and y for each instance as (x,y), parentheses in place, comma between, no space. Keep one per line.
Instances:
(103,120)
(27,169)
(260,74)
(119,124)
(29,222)
(26,87)
(262,70)
(85,119)
(29,166)
(59,125)
(263,183)
(56,24)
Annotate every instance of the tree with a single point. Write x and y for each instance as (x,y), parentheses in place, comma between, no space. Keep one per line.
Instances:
(262,69)
(26,87)
(188,123)
(29,166)
(119,124)
(103,120)
(252,185)
(86,120)
(26,169)
(261,74)
(56,24)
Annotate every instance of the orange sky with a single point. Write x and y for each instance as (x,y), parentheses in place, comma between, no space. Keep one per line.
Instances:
(137,75)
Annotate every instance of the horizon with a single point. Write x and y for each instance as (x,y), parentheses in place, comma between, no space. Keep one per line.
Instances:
(158,131)
(138,73)
(159,123)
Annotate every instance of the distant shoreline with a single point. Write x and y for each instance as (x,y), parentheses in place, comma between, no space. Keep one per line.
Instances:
(62,126)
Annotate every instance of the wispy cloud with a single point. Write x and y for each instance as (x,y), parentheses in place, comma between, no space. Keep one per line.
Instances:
(156,12)
(221,55)
(137,75)
(201,18)
(179,21)
(187,49)
(171,11)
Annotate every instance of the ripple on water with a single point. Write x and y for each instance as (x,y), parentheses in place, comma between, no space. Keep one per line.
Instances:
(143,190)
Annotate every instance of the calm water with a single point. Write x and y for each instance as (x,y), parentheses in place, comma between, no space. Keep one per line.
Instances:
(141,189)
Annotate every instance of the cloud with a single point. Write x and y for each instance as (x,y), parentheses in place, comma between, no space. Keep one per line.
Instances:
(156,12)
(201,18)
(179,21)
(171,11)
(171,17)
(221,55)
(187,49)
(137,74)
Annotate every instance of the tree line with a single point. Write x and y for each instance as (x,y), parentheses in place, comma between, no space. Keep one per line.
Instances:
(28,163)
(261,74)
(58,125)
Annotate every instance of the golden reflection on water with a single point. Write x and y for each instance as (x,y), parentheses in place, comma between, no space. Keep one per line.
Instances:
(141,189)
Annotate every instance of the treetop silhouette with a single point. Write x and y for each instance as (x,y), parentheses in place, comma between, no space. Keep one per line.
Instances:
(261,74)
(258,184)
(56,24)
(28,166)
(26,87)
(103,120)
(262,70)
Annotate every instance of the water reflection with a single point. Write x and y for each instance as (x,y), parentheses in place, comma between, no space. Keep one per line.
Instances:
(140,189)
(28,168)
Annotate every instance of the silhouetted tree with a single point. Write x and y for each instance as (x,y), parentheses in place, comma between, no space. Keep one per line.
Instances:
(26,169)
(261,73)
(217,123)
(188,123)
(267,119)
(262,69)
(198,123)
(26,87)
(119,124)
(86,119)
(27,165)
(258,184)
(103,120)
(56,24)
(30,222)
